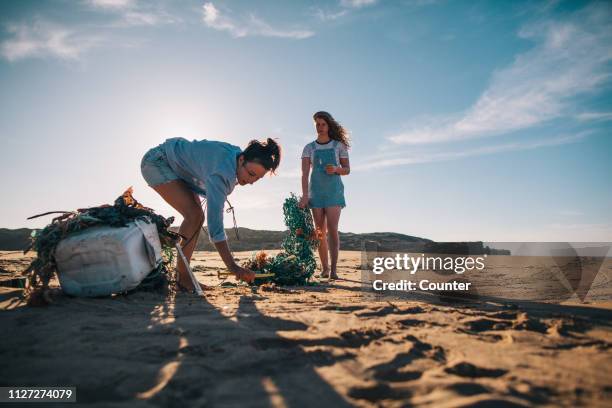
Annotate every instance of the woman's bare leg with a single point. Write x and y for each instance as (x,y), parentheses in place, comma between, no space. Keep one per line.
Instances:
(318,214)
(332,215)
(186,202)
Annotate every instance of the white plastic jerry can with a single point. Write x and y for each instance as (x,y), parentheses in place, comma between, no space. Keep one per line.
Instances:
(100,261)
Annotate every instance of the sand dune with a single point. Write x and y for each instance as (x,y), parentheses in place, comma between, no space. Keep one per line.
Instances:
(328,345)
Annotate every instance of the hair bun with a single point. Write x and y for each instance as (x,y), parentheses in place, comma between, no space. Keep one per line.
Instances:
(274,150)
(267,153)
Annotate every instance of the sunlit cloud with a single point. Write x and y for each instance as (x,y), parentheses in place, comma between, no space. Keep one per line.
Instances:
(326,15)
(341,9)
(402,158)
(112,4)
(357,3)
(594,116)
(138,18)
(421,3)
(251,26)
(569,58)
(42,39)
(213,19)
(134,13)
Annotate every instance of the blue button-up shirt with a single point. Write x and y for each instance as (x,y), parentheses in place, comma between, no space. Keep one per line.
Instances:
(209,169)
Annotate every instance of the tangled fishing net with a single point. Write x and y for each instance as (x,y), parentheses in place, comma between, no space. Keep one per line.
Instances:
(296,263)
(125,210)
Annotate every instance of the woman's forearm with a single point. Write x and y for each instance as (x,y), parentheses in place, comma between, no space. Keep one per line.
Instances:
(304,185)
(305,174)
(226,255)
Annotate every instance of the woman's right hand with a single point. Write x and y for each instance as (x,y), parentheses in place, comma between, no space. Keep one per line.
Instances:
(243,274)
(303,202)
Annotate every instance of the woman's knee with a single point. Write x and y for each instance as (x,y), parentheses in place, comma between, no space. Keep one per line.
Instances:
(332,225)
(194,217)
(323,229)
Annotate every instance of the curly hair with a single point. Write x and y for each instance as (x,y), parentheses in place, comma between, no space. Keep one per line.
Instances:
(336,130)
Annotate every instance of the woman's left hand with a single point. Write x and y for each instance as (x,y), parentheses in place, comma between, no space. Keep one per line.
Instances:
(330,169)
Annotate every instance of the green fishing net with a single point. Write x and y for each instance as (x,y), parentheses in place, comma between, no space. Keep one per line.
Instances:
(296,262)
(125,210)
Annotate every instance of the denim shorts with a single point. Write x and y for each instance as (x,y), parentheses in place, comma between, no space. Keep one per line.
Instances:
(155,168)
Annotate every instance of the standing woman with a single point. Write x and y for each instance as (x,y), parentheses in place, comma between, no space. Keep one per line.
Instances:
(324,194)
(180,171)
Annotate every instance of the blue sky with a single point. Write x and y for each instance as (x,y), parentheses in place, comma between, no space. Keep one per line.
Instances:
(470,120)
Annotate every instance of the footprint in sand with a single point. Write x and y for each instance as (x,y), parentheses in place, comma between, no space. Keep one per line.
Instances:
(521,322)
(504,314)
(468,389)
(484,324)
(274,342)
(353,338)
(532,393)
(465,369)
(384,311)
(398,376)
(401,367)
(596,344)
(376,392)
(359,338)
(342,309)
(418,323)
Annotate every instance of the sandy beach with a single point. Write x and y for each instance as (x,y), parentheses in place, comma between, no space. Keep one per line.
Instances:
(326,345)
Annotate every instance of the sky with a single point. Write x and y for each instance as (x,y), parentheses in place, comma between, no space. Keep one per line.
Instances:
(479,120)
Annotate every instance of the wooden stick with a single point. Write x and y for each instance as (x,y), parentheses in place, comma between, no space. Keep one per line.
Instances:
(195,282)
(225,274)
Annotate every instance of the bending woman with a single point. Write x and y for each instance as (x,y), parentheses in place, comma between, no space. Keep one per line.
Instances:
(324,194)
(180,171)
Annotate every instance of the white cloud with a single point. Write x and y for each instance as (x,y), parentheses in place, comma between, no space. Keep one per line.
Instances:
(424,2)
(133,13)
(594,116)
(260,27)
(214,19)
(344,8)
(253,26)
(112,4)
(325,15)
(357,3)
(402,158)
(570,58)
(137,18)
(42,39)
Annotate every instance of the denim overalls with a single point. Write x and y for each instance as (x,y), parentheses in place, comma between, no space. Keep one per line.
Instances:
(325,190)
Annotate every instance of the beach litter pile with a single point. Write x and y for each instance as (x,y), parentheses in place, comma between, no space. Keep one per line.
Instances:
(296,263)
(69,224)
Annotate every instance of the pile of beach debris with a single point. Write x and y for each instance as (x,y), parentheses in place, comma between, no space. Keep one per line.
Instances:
(125,210)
